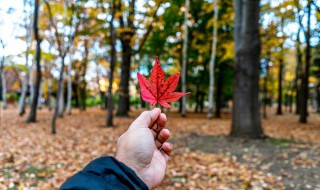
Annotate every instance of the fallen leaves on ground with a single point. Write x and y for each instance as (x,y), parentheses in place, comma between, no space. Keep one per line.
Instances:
(32,158)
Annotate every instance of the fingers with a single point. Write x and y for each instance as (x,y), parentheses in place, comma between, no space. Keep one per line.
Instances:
(162,137)
(159,125)
(166,150)
(146,118)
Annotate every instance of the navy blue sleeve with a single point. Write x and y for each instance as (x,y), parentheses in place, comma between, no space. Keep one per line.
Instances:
(104,173)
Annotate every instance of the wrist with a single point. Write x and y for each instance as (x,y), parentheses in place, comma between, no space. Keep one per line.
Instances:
(133,167)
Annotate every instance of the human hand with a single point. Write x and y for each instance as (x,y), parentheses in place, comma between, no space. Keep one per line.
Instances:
(144,149)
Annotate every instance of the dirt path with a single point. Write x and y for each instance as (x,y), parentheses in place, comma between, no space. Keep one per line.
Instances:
(296,165)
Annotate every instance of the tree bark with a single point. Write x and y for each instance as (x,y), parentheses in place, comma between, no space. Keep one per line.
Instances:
(305,76)
(202,102)
(290,103)
(27,25)
(83,86)
(33,110)
(265,91)
(49,93)
(184,60)
(4,87)
(69,97)
(213,59)
(112,65)
(22,99)
(297,80)
(280,76)
(125,38)
(56,109)
(219,94)
(246,117)
(60,103)
(125,77)
(39,106)
(197,99)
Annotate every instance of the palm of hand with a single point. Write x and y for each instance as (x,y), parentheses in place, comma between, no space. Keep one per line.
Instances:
(153,163)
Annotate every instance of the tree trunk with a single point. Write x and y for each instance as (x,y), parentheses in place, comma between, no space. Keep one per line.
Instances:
(246,118)
(61,101)
(305,76)
(56,109)
(40,96)
(33,110)
(49,93)
(184,60)
(290,102)
(22,99)
(101,93)
(213,59)
(280,75)
(83,86)
(197,99)
(125,38)
(202,102)
(265,91)
(4,87)
(125,77)
(298,73)
(219,94)
(31,80)
(69,98)
(76,90)
(112,65)
(24,91)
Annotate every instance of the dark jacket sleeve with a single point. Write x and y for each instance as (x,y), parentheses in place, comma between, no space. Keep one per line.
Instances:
(104,173)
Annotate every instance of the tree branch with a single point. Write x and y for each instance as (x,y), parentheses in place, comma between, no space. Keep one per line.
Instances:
(316,6)
(150,27)
(55,28)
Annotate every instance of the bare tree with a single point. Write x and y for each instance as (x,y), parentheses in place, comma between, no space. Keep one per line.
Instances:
(297,80)
(40,95)
(33,110)
(213,59)
(63,48)
(3,78)
(112,64)
(69,97)
(184,59)
(28,28)
(281,68)
(305,75)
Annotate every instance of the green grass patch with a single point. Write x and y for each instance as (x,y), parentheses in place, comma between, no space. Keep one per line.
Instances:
(279,142)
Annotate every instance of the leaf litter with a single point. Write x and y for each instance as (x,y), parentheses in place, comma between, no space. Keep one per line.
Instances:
(32,158)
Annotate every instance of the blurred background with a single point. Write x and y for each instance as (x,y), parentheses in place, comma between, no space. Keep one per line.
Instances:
(69,67)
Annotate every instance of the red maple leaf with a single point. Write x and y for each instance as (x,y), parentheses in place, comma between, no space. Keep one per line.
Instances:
(158,90)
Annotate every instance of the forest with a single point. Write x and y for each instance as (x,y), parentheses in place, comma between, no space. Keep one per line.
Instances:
(249,70)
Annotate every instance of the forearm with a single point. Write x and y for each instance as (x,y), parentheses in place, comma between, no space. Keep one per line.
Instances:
(104,173)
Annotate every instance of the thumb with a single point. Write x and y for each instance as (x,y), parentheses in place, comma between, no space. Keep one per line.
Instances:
(146,119)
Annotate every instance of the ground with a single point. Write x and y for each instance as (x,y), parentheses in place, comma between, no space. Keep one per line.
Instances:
(203,158)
